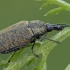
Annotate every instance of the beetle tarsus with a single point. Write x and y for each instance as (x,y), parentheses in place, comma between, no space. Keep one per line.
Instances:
(36,55)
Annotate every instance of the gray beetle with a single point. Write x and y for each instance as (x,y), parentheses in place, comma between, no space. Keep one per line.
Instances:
(24,32)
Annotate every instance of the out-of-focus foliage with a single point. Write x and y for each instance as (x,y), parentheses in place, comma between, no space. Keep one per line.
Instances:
(61,3)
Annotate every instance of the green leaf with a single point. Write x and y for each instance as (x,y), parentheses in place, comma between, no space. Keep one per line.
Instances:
(54,11)
(42,65)
(2,62)
(68,67)
(61,3)
(44,5)
(32,61)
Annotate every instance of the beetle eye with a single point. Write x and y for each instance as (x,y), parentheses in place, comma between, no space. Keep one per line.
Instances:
(61,28)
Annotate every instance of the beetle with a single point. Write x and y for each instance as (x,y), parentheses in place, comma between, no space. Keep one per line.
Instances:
(24,32)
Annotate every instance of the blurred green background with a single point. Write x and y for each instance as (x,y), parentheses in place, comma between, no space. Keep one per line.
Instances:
(13,11)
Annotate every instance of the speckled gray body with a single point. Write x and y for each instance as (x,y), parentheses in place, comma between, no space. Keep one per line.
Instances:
(20,34)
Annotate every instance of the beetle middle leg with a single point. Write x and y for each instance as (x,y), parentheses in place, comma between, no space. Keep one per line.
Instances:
(33,47)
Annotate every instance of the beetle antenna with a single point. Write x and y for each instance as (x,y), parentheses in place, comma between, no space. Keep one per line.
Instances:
(57,27)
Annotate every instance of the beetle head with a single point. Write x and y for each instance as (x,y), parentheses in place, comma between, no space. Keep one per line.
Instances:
(57,27)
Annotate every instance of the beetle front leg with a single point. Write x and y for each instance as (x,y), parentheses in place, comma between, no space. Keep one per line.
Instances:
(51,40)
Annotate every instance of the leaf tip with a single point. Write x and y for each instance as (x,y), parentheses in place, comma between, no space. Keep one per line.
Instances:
(45,14)
(40,9)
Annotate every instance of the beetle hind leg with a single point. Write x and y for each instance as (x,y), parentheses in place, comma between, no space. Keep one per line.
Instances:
(11,57)
(13,54)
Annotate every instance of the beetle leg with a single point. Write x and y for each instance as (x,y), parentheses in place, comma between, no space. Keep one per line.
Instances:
(51,40)
(33,47)
(43,37)
(13,54)
(11,57)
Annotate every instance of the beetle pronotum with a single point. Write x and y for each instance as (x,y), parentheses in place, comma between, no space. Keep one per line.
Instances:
(20,34)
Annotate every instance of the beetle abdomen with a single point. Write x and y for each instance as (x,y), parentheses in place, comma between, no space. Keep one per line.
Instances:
(14,37)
